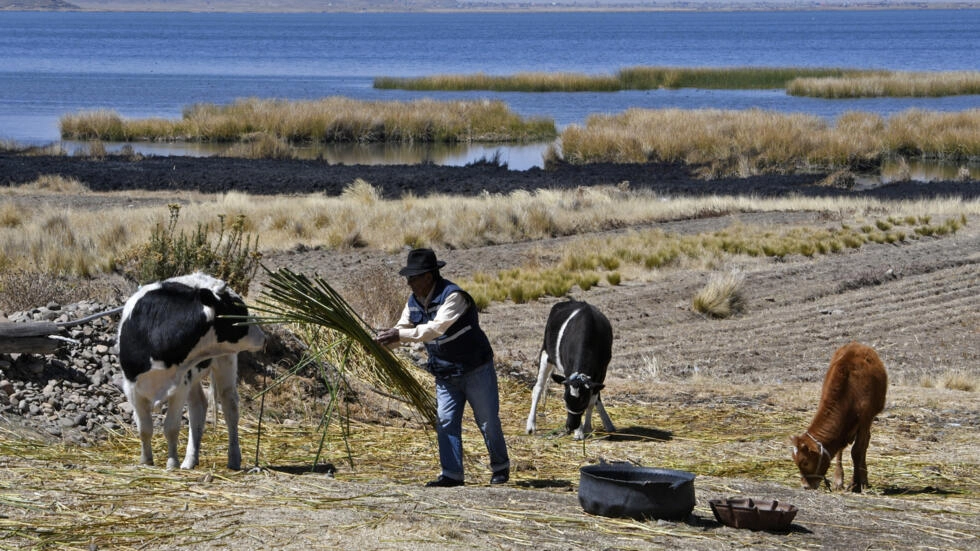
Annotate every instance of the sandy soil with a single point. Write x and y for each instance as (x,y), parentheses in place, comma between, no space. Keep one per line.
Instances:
(917,303)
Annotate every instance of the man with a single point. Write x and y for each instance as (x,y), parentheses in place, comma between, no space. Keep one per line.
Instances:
(444,317)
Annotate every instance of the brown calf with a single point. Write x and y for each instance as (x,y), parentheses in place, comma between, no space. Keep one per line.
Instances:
(853,394)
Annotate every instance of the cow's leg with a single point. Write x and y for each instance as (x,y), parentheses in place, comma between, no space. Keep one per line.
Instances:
(197,411)
(859,456)
(224,378)
(174,417)
(585,428)
(540,390)
(607,423)
(143,413)
(839,471)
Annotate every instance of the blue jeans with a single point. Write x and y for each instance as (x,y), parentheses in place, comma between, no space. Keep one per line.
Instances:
(479,388)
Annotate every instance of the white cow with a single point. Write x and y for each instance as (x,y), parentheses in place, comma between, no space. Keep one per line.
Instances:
(171,334)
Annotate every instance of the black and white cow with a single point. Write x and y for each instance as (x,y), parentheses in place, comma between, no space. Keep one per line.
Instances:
(578,341)
(171,334)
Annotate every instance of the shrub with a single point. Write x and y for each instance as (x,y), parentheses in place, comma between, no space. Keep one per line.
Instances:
(232,255)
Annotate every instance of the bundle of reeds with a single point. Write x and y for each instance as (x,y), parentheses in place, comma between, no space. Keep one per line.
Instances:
(291,298)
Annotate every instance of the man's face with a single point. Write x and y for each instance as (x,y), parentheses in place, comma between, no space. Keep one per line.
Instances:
(420,284)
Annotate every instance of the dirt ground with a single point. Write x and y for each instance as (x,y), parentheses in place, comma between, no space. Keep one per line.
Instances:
(917,303)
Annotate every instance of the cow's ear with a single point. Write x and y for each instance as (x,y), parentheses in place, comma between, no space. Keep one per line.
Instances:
(207,297)
(560,379)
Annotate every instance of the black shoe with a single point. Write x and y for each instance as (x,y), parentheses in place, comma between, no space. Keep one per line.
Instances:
(444,482)
(500,477)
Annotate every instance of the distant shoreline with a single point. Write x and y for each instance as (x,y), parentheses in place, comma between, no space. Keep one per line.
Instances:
(299,6)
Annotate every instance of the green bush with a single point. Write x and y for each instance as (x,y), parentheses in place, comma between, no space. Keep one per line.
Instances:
(226,253)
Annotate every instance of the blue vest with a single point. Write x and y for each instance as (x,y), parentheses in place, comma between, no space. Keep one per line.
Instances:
(464,345)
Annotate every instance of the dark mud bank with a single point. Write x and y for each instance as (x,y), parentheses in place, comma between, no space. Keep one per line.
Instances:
(277,177)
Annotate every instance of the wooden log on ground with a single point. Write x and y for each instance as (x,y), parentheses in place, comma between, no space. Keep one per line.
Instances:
(30,338)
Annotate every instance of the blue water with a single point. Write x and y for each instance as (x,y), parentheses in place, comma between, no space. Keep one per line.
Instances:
(155,64)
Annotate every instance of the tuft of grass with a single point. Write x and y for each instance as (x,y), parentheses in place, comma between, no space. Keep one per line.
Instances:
(55,183)
(952,380)
(11,216)
(722,297)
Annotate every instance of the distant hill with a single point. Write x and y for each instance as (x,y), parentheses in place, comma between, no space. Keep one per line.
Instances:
(297,6)
(36,5)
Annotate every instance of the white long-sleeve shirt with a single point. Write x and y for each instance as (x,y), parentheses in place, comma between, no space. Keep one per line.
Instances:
(452,308)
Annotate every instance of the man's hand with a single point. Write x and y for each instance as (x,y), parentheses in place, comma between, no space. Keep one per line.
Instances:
(387,336)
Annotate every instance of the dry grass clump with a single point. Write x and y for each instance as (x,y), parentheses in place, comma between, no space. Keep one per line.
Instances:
(265,125)
(743,143)
(722,297)
(54,184)
(952,380)
(887,84)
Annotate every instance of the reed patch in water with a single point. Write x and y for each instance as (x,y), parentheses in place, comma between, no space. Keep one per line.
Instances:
(744,143)
(828,83)
(629,78)
(887,84)
(327,120)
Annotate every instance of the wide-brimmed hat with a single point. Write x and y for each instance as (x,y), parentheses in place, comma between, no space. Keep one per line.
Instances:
(420,261)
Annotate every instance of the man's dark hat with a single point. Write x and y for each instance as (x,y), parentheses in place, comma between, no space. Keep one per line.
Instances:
(421,261)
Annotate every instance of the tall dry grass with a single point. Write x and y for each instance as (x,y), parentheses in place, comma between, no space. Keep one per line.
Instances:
(755,141)
(328,120)
(76,242)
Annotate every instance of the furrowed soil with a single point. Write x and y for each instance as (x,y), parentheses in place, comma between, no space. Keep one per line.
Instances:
(676,375)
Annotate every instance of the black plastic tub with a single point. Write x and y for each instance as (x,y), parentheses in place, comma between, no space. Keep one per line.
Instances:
(642,493)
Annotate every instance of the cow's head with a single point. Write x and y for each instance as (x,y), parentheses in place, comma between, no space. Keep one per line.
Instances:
(812,458)
(580,391)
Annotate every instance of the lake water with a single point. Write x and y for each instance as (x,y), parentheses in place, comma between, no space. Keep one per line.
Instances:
(155,64)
